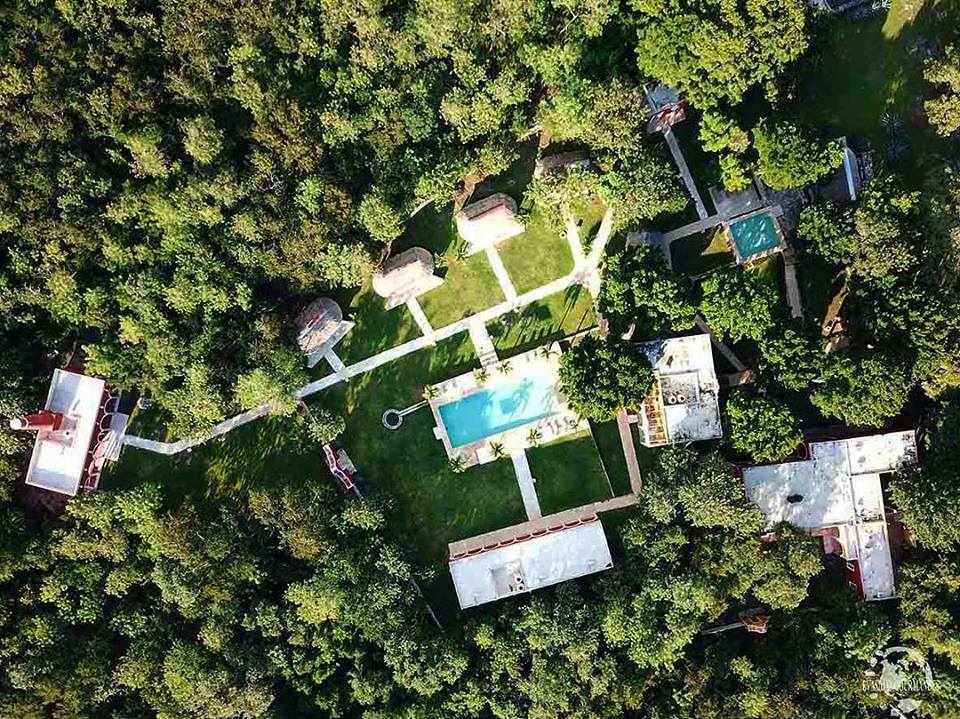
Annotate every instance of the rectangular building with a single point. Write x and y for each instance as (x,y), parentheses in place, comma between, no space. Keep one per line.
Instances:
(531,558)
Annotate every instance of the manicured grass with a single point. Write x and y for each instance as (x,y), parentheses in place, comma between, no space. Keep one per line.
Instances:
(861,68)
(536,257)
(469,286)
(607,439)
(430,504)
(588,214)
(554,317)
(568,473)
(272,450)
(700,253)
(377,328)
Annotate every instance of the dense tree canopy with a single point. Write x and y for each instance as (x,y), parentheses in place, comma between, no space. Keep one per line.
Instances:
(761,426)
(791,156)
(602,376)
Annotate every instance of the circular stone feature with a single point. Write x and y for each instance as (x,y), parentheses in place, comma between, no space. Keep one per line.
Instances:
(392,419)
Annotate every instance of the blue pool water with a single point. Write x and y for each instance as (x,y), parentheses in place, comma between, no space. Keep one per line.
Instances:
(754,235)
(497,409)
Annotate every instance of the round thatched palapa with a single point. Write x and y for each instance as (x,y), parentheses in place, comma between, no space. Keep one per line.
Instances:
(404,276)
(318,323)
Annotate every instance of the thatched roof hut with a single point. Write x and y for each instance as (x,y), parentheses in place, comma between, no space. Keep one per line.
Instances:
(488,221)
(405,276)
(320,326)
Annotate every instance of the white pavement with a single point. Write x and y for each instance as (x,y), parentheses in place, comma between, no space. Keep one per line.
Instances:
(525,479)
(420,318)
(685,173)
(503,278)
(483,344)
(573,238)
(336,364)
(586,274)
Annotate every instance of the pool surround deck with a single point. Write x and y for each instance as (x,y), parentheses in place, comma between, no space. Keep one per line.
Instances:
(515,439)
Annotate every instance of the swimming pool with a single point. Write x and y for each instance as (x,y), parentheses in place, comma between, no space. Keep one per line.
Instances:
(497,409)
(754,235)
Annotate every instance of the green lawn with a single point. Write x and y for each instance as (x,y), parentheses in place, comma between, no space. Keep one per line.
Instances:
(272,450)
(468,287)
(377,328)
(557,316)
(863,67)
(431,505)
(607,438)
(568,473)
(701,253)
(537,256)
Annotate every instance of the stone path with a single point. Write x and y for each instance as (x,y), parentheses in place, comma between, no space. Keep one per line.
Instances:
(503,277)
(721,347)
(793,285)
(590,269)
(525,479)
(483,344)
(581,275)
(420,318)
(629,451)
(586,511)
(336,364)
(685,173)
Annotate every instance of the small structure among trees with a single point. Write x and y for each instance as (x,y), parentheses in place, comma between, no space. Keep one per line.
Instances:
(836,494)
(406,276)
(683,405)
(78,431)
(321,326)
(488,221)
(665,107)
(755,236)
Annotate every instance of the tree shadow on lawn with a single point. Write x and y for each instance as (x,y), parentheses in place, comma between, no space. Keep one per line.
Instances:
(549,319)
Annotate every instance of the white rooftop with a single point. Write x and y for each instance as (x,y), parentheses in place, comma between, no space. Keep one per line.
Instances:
(531,564)
(684,406)
(839,485)
(59,457)
(488,221)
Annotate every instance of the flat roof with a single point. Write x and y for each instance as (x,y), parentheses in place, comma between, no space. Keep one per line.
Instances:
(688,388)
(839,486)
(57,464)
(533,563)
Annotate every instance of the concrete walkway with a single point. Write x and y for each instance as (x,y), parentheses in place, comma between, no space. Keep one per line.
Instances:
(579,276)
(420,318)
(721,347)
(336,364)
(503,277)
(573,239)
(483,344)
(685,173)
(590,269)
(629,451)
(701,225)
(525,479)
(792,284)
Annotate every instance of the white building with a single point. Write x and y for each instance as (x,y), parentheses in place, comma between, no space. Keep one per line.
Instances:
(488,221)
(837,494)
(525,562)
(683,405)
(78,430)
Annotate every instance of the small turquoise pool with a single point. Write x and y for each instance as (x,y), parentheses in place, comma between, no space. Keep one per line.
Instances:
(754,235)
(497,409)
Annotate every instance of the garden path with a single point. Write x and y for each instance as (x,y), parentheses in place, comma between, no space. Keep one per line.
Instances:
(420,318)
(503,278)
(525,479)
(685,173)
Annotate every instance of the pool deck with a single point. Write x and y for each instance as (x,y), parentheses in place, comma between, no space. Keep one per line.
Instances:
(774,213)
(534,363)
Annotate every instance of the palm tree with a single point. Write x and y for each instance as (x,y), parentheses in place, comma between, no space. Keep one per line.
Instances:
(430,392)
(457,465)
(533,437)
(505,367)
(481,375)
(497,450)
